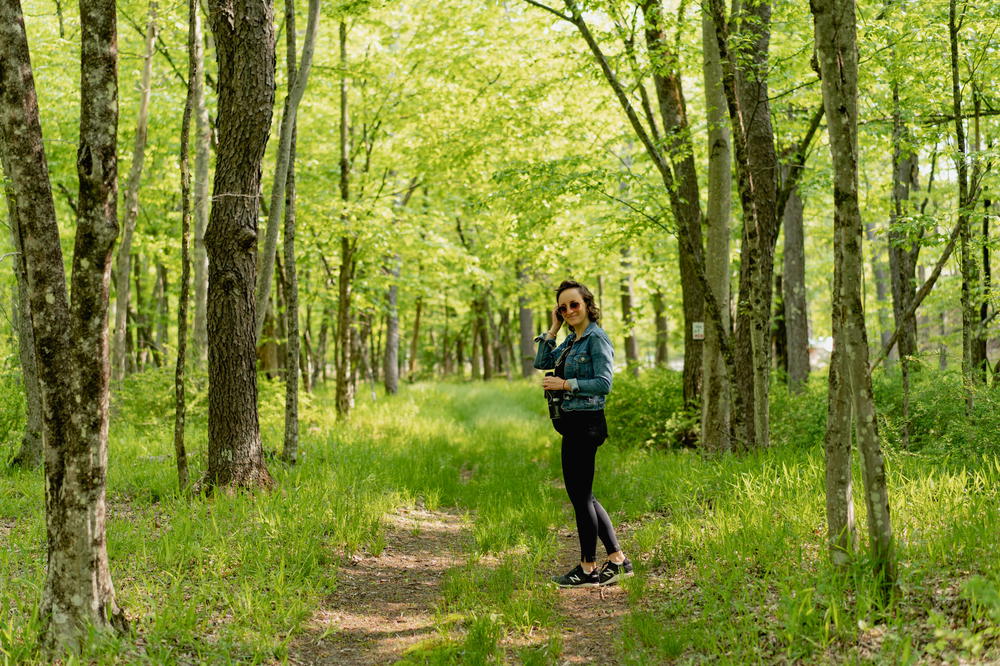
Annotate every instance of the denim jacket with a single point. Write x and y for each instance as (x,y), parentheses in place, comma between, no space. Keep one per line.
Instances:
(589,366)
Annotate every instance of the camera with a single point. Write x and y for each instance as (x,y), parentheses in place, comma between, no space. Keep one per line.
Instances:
(554,399)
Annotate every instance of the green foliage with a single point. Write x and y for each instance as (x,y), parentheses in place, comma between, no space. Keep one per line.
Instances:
(646,411)
(12,415)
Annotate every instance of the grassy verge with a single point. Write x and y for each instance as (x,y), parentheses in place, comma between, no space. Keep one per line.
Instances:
(730,555)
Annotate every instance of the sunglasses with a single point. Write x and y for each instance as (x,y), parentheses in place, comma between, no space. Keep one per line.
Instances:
(567,307)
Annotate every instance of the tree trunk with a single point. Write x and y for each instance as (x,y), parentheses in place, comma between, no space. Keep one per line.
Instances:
(132,202)
(244,39)
(347,258)
(902,257)
(411,371)
(684,197)
(202,150)
(71,339)
(837,54)
(390,366)
(30,453)
(794,293)
(319,354)
(506,345)
(779,335)
(660,327)
(526,328)
(290,449)
(180,407)
(297,88)
(628,323)
(715,417)
(485,343)
(162,339)
(474,355)
(745,85)
(966,201)
(881,292)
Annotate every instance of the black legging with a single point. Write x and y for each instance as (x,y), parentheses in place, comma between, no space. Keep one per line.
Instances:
(582,433)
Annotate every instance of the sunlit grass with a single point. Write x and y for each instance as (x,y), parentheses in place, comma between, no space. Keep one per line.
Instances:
(729,551)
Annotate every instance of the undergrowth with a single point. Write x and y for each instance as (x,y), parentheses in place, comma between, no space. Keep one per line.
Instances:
(729,550)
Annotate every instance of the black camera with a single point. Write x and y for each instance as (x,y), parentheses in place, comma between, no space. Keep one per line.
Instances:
(554,398)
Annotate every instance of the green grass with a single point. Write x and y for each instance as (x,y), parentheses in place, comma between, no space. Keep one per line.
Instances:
(729,551)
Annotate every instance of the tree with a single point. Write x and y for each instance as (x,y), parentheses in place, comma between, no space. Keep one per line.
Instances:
(244,39)
(70,335)
(850,392)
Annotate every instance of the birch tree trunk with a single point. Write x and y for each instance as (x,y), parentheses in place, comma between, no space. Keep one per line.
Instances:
(837,54)
(70,337)
(132,202)
(715,420)
(202,150)
(283,159)
(244,40)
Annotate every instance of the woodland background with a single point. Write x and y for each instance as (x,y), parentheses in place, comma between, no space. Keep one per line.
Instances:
(453,162)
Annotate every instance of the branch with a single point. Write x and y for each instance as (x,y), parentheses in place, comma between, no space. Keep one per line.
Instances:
(558,13)
(798,162)
(925,289)
(161,46)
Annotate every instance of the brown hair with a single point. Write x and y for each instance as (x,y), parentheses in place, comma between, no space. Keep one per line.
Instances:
(593,312)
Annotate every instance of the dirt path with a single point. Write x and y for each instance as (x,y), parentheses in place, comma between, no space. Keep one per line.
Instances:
(383,605)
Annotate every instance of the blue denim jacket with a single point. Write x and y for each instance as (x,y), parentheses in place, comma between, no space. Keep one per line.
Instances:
(589,366)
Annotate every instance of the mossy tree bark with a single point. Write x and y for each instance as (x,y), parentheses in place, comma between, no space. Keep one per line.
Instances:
(836,47)
(70,336)
(244,39)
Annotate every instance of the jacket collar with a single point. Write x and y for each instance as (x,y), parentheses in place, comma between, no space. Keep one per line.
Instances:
(590,329)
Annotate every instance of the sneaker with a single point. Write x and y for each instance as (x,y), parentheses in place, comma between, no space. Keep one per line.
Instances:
(611,573)
(577,577)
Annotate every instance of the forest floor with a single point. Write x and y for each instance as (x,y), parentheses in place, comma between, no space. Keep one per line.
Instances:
(384,605)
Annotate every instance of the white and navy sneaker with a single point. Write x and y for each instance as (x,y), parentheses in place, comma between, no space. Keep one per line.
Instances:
(611,573)
(577,577)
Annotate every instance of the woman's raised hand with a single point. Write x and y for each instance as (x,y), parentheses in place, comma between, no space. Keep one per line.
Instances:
(555,321)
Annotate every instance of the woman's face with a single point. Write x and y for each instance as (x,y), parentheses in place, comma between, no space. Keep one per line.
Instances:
(572,307)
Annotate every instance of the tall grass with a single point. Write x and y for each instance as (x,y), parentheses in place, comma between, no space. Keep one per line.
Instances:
(729,551)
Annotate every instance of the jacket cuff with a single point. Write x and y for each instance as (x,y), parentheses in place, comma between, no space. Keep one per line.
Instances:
(574,385)
(544,337)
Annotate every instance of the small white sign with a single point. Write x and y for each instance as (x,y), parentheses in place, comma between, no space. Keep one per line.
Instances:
(698,330)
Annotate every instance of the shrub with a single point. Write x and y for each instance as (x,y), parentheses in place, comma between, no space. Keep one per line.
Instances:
(648,410)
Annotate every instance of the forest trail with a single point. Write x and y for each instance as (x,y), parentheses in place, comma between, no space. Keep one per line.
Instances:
(385,604)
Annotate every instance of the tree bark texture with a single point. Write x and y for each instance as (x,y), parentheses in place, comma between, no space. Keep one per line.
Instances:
(745,85)
(244,40)
(30,453)
(881,290)
(180,406)
(132,202)
(347,258)
(628,321)
(837,54)
(70,337)
(684,197)
(715,417)
(794,293)
(660,328)
(526,328)
(413,364)
(390,366)
(282,158)
(966,201)
(202,150)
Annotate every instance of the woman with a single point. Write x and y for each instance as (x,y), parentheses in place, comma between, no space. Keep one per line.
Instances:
(582,367)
